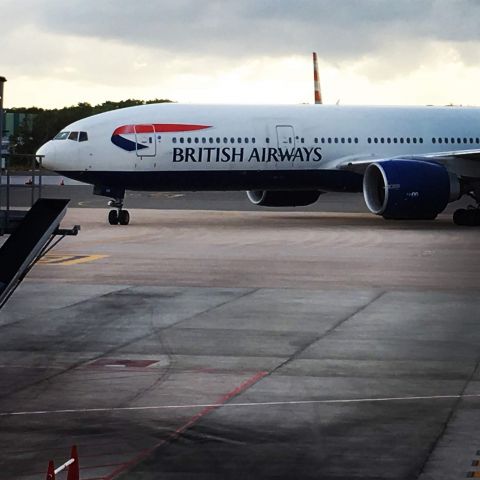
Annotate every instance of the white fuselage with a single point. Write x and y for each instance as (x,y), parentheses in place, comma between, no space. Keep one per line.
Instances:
(200,140)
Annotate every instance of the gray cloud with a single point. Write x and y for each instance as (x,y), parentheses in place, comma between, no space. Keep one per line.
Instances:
(340,30)
(391,37)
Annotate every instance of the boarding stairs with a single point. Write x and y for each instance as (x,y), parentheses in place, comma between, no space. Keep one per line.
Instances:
(32,233)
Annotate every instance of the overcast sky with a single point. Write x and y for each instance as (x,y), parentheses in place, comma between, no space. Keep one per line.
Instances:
(57,53)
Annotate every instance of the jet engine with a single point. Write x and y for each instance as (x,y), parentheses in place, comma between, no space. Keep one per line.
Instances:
(287,198)
(409,189)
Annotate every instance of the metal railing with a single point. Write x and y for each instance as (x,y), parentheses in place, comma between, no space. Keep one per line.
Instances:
(33,187)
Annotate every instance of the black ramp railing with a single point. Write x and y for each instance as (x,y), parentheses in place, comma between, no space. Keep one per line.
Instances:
(26,244)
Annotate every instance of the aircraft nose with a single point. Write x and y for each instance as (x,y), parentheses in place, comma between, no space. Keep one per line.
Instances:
(48,152)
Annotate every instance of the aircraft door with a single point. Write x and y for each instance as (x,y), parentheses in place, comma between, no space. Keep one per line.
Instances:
(145,139)
(285,136)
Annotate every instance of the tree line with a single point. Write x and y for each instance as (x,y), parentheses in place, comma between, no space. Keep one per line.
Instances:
(30,135)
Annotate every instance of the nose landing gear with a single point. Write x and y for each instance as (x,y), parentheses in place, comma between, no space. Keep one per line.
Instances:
(117,216)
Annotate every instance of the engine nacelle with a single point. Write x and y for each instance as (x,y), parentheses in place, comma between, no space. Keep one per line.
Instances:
(289,198)
(409,189)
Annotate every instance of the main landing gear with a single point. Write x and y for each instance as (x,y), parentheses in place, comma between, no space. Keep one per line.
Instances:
(117,216)
(469,216)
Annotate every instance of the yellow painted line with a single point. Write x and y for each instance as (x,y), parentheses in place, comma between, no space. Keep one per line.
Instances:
(58,259)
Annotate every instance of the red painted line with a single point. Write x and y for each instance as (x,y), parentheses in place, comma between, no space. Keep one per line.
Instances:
(174,435)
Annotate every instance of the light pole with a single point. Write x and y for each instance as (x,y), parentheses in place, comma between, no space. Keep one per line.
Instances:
(2,81)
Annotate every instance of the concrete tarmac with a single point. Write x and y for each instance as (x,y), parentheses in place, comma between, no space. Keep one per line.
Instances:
(236,344)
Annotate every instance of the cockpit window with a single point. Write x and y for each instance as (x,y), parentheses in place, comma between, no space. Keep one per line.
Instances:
(61,136)
(73,136)
(83,137)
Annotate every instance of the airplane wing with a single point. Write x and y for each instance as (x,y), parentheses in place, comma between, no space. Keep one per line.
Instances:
(360,164)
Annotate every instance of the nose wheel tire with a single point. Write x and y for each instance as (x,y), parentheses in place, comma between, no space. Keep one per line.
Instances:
(113,217)
(123,217)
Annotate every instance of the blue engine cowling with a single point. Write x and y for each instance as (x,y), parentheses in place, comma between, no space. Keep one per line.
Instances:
(409,189)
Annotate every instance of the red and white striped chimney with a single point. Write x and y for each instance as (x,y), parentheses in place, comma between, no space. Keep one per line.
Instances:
(316,80)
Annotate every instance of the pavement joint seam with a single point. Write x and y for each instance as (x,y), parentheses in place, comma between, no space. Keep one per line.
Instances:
(450,416)
(117,347)
(327,332)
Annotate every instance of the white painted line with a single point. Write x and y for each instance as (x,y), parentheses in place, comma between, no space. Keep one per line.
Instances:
(236,405)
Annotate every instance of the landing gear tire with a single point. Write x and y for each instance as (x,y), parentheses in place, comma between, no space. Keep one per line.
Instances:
(123,217)
(113,217)
(469,218)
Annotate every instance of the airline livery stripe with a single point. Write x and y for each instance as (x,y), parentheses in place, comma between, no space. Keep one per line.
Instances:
(158,128)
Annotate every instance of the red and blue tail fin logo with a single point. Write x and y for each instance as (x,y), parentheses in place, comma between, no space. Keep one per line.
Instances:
(125,136)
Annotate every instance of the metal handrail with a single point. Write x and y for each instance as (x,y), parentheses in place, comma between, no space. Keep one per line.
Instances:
(35,186)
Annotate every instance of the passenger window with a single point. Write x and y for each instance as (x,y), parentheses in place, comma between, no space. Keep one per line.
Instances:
(315,140)
(189,140)
(182,139)
(232,140)
(414,140)
(174,140)
(395,140)
(210,140)
(84,137)
(73,136)
(267,140)
(420,140)
(382,140)
(434,140)
(369,140)
(204,140)
(401,139)
(196,140)
(342,140)
(239,140)
(246,140)
(253,140)
(356,140)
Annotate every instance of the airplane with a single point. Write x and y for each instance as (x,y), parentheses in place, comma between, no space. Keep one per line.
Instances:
(409,162)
